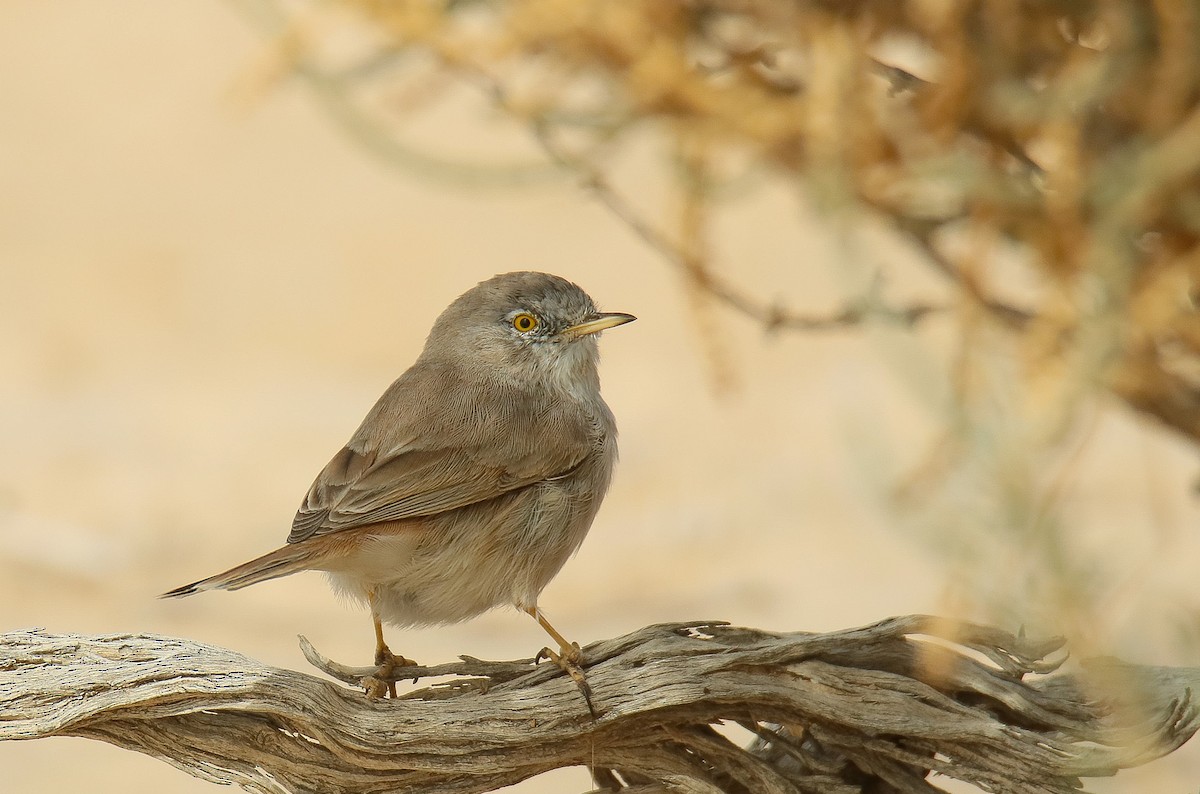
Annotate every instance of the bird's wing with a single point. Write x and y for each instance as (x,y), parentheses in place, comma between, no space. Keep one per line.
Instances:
(408,461)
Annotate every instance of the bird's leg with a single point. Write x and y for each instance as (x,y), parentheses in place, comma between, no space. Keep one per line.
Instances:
(378,683)
(569,656)
(566,650)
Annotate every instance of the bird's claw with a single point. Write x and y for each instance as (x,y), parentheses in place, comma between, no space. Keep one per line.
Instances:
(570,660)
(379,683)
(384,656)
(377,688)
(572,654)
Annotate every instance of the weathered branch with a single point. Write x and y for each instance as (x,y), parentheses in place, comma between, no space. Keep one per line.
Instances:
(876,708)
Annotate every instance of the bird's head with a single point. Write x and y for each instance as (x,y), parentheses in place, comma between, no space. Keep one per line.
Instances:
(524,327)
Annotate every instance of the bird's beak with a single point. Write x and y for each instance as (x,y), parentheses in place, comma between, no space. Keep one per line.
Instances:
(597,323)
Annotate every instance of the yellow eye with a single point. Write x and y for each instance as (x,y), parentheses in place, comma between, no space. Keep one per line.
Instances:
(524,322)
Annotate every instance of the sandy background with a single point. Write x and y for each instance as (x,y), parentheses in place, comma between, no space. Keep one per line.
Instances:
(200,300)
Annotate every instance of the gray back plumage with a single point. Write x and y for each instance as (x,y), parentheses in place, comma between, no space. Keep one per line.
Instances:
(484,411)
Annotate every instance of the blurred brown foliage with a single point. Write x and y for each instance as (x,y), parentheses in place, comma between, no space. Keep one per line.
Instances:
(1064,136)
(1040,158)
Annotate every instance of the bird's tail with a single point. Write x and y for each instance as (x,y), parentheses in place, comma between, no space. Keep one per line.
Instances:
(281,562)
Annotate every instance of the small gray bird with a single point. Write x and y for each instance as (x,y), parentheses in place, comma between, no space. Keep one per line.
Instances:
(475,476)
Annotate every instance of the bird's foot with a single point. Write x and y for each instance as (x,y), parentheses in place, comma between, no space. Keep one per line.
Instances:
(569,659)
(380,682)
(571,654)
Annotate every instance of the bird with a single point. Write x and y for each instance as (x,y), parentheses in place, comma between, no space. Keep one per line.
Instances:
(472,480)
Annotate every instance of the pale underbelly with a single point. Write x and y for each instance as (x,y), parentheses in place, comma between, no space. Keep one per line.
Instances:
(468,561)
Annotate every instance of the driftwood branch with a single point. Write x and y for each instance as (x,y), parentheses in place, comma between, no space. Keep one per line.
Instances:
(885,708)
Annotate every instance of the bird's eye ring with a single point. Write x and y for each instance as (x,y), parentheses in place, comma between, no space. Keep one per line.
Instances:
(524,322)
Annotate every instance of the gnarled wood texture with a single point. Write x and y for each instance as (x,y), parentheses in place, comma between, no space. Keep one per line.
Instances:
(873,709)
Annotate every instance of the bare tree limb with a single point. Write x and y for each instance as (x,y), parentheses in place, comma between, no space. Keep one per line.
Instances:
(876,708)
(771,316)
